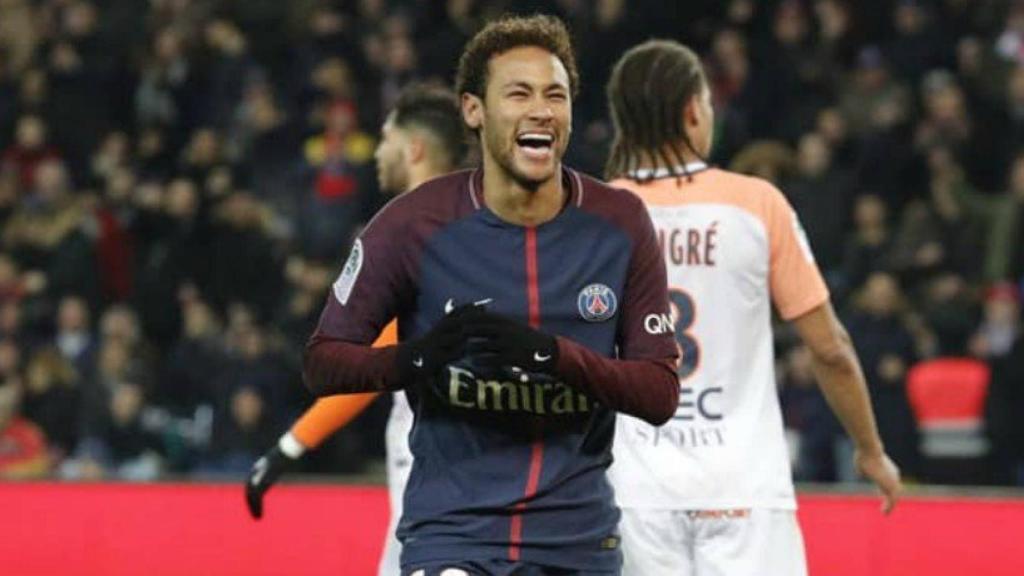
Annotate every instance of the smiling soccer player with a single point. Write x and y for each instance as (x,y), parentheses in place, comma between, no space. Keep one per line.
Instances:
(521,290)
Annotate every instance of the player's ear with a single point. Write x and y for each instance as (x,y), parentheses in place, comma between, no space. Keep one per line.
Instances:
(691,111)
(472,111)
(416,149)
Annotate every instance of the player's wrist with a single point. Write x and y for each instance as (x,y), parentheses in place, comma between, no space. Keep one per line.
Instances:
(290,446)
(408,362)
(869,451)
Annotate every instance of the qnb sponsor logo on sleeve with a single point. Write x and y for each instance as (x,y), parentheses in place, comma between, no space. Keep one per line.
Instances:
(658,324)
(465,390)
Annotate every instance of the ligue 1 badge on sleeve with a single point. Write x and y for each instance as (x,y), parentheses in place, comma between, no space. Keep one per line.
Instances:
(597,303)
(347,279)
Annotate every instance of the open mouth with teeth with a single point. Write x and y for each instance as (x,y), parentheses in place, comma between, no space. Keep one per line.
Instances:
(536,145)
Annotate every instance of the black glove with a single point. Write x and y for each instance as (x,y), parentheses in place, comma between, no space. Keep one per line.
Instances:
(497,341)
(421,358)
(263,475)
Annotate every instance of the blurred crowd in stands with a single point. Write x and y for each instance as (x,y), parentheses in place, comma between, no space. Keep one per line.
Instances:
(181,179)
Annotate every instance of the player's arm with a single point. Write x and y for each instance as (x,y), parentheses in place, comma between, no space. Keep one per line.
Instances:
(801,296)
(331,413)
(842,382)
(335,362)
(328,415)
(324,418)
(338,358)
(647,389)
(372,287)
(642,382)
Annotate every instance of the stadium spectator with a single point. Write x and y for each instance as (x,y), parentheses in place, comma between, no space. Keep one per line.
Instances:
(339,159)
(870,243)
(886,349)
(172,235)
(122,446)
(1000,325)
(74,338)
(950,310)
(813,432)
(822,195)
(29,150)
(1003,421)
(10,360)
(240,433)
(917,44)
(46,233)
(194,360)
(23,450)
(254,363)
(51,399)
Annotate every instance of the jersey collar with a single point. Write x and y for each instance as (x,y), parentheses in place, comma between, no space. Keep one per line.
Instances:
(570,178)
(666,172)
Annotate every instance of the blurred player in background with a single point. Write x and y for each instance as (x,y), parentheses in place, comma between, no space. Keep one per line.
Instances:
(711,492)
(422,138)
(521,291)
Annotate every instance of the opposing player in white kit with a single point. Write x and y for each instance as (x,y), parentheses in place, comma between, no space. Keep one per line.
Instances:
(711,492)
(422,138)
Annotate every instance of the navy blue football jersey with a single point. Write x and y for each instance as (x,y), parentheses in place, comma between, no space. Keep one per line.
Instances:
(511,465)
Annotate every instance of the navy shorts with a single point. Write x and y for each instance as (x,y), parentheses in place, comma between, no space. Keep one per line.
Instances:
(493,568)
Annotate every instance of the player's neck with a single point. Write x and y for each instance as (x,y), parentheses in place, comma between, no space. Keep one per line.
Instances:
(420,173)
(520,205)
(688,158)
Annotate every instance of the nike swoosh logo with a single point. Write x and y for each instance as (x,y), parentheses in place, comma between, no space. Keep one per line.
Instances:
(450,304)
(418,362)
(540,357)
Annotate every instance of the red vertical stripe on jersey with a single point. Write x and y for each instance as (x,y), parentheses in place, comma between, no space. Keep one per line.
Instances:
(532,287)
(537,449)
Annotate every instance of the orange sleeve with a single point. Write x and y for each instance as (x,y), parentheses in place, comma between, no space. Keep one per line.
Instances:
(797,286)
(328,415)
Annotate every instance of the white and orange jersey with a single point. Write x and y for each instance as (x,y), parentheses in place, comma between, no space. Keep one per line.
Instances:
(733,246)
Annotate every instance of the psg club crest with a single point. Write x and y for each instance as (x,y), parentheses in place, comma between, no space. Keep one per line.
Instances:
(597,303)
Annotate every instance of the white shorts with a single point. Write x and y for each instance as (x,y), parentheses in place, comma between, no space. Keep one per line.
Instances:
(753,542)
(398,458)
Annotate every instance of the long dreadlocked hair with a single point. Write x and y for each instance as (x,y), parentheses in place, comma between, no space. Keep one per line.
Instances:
(647,93)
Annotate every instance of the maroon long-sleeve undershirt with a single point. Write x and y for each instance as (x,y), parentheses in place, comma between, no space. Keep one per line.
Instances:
(647,389)
(338,367)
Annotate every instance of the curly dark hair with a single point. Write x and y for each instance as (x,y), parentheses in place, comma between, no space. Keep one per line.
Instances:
(506,33)
(647,92)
